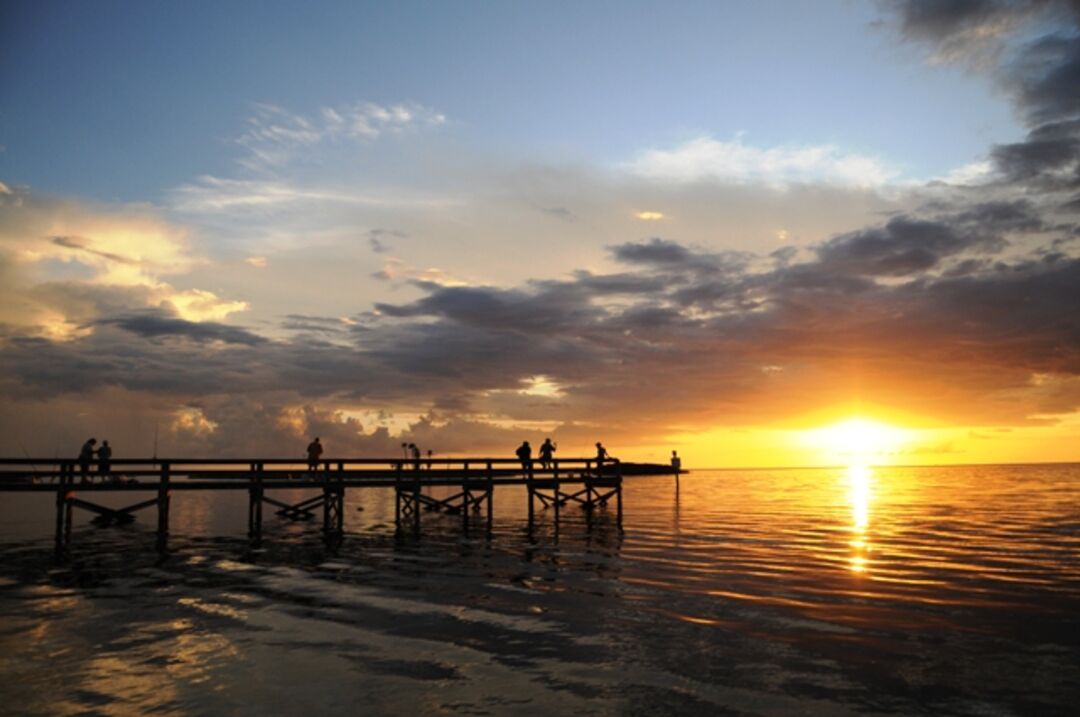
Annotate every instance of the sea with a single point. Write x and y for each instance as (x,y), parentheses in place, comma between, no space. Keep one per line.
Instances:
(831,591)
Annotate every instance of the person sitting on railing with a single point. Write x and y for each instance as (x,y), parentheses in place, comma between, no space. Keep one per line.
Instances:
(86,457)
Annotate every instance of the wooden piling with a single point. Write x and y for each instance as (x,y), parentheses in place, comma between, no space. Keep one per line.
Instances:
(163,499)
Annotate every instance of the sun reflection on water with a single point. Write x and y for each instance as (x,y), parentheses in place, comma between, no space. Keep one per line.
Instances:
(860,495)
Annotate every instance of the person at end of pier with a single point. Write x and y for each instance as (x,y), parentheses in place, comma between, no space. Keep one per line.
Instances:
(676,462)
(547,452)
(104,459)
(414,452)
(314,452)
(524,454)
(86,457)
(601,456)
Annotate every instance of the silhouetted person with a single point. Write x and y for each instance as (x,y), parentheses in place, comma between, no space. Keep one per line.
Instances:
(415,453)
(676,462)
(314,452)
(86,457)
(547,453)
(524,454)
(104,458)
(601,456)
(429,459)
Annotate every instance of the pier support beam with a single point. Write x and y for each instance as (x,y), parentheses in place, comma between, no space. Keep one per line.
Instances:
(164,497)
(64,496)
(255,501)
(333,506)
(407,499)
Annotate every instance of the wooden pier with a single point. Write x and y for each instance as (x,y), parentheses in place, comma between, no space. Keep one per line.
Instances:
(576,481)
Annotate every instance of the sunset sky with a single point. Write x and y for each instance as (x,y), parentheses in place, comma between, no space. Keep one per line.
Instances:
(769,233)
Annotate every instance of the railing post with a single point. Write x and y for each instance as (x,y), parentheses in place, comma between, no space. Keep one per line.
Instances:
(255,502)
(589,478)
(465,496)
(416,499)
(397,495)
(618,493)
(531,489)
(333,500)
(63,506)
(164,495)
(490,494)
(555,489)
(341,498)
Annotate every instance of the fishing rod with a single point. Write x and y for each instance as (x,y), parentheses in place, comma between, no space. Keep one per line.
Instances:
(27,454)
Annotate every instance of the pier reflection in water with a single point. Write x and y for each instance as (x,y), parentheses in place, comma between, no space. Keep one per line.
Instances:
(858,591)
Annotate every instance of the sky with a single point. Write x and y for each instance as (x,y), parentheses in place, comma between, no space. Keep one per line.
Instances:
(775,233)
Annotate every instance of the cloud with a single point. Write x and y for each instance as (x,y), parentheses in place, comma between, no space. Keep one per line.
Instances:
(951,301)
(71,263)
(968,31)
(156,325)
(905,245)
(378,239)
(275,134)
(709,159)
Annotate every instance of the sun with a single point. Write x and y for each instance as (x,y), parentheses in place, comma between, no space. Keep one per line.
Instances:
(857,441)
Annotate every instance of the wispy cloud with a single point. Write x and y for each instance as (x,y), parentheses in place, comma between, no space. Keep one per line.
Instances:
(706,158)
(274,134)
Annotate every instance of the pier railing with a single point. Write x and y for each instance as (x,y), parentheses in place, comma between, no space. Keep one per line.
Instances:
(586,482)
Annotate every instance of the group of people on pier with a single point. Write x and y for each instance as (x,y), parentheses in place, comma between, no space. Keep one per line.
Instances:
(89,455)
(547,455)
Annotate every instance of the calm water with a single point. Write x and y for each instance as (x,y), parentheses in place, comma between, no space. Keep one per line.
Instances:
(903,591)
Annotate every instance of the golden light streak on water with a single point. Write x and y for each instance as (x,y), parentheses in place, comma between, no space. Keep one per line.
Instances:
(860,494)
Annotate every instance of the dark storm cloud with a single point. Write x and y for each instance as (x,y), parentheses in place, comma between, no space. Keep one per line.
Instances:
(554,309)
(907,245)
(670,255)
(1042,74)
(941,20)
(1045,77)
(155,324)
(656,251)
(1049,153)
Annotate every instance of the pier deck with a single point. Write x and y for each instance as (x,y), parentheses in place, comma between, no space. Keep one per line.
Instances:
(576,481)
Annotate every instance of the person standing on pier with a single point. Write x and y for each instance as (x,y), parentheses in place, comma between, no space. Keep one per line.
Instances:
(314,452)
(86,457)
(524,454)
(104,457)
(547,452)
(414,451)
(676,462)
(601,456)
